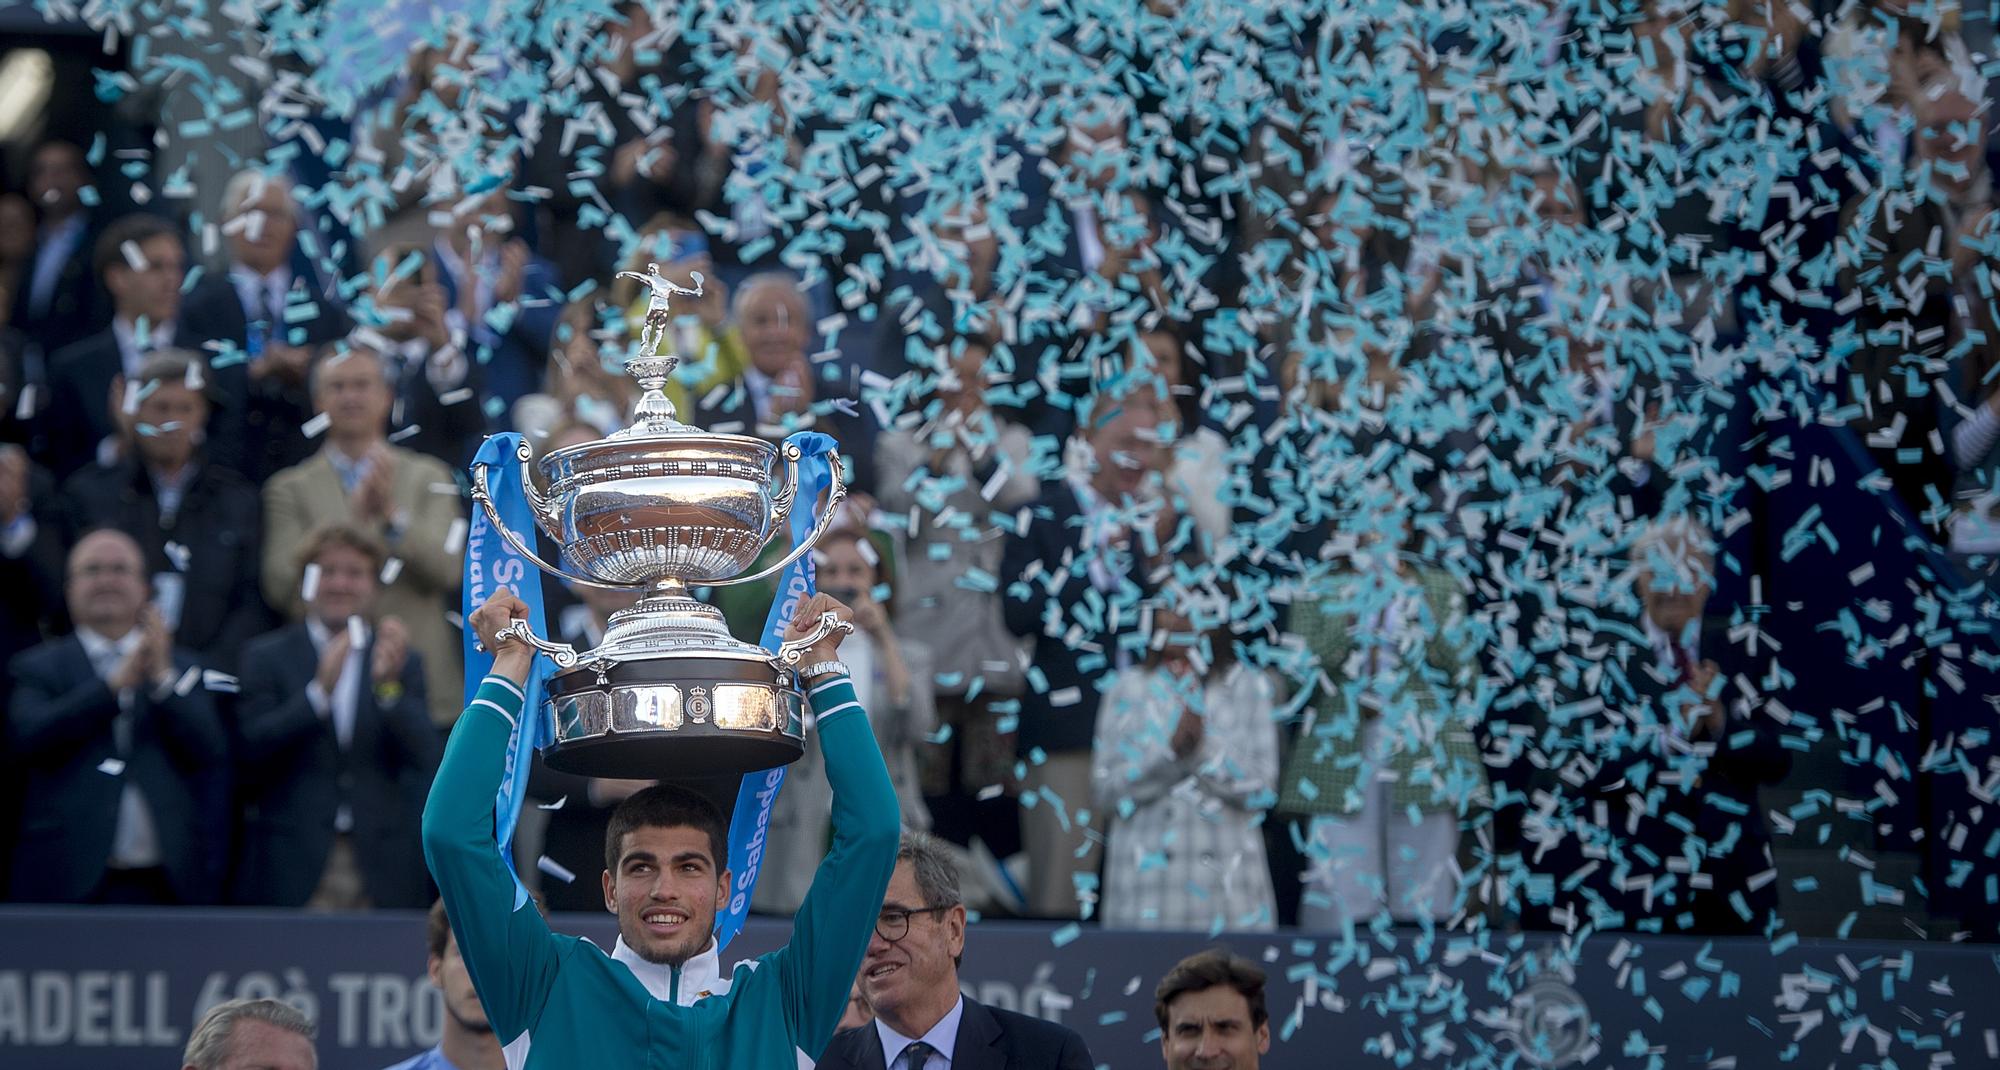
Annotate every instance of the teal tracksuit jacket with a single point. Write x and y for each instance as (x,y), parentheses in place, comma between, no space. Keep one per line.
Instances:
(560,1001)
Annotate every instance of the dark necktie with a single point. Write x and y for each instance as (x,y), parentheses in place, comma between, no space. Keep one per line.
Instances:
(916,1055)
(1684,662)
(274,312)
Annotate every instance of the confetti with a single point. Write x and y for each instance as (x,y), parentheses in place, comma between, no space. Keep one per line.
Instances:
(1468,298)
(555,869)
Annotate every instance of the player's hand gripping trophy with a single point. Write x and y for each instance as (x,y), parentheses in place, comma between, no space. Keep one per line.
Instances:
(659,507)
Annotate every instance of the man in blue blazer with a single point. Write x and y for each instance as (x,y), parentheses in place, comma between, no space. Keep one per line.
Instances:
(123,753)
(910,980)
(335,744)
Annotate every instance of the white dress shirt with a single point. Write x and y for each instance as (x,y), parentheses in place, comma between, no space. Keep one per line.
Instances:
(943,1037)
(135,844)
(340,706)
(131,353)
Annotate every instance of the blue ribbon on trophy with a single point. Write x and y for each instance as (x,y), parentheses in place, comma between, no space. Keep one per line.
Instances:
(758,792)
(490,563)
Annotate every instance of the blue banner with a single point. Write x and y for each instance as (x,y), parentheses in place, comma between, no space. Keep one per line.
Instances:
(759,791)
(491,564)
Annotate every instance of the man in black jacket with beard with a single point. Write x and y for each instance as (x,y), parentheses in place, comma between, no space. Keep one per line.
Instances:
(198,522)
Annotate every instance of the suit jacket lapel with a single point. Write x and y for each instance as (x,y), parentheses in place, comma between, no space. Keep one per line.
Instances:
(978,1046)
(871,1049)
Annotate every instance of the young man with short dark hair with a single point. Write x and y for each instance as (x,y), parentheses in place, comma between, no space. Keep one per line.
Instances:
(577,1005)
(466,1042)
(1211,1012)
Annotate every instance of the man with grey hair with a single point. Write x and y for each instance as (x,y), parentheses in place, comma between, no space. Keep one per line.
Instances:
(275,308)
(252,1034)
(910,981)
(783,390)
(403,498)
(1670,827)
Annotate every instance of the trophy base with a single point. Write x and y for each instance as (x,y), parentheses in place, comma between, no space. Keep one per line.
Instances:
(629,713)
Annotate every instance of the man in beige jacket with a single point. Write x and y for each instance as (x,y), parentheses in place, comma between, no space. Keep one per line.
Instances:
(409,500)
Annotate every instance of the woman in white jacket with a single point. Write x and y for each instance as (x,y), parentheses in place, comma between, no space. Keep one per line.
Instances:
(1185,759)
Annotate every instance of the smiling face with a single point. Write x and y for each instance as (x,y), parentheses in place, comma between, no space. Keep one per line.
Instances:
(913,981)
(664,890)
(346,584)
(772,318)
(1210,1030)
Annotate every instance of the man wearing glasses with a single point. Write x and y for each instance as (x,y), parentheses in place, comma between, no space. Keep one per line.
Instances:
(910,978)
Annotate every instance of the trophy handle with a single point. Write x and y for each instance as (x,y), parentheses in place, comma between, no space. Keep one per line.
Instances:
(781,509)
(483,494)
(538,503)
(563,654)
(791,651)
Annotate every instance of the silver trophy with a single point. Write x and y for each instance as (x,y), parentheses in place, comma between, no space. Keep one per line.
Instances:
(660,507)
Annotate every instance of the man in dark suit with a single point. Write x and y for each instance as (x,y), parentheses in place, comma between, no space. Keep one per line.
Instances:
(262,322)
(910,978)
(1073,583)
(123,749)
(31,569)
(1663,824)
(142,262)
(781,391)
(61,300)
(335,744)
(197,521)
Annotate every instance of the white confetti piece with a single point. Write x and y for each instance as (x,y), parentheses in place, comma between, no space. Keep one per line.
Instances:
(391,568)
(111,767)
(555,869)
(316,426)
(454,539)
(309,583)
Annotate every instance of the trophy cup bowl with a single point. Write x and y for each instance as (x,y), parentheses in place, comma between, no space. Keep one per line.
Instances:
(661,507)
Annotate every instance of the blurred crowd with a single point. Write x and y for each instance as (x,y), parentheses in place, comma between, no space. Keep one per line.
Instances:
(1334,545)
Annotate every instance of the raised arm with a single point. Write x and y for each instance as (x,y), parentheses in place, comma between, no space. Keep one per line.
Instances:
(508,949)
(830,932)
